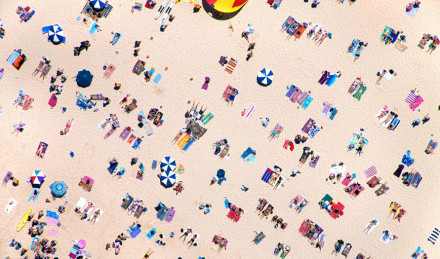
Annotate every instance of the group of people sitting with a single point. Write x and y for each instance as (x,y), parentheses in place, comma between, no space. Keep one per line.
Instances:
(37,227)
(396,210)
(279,222)
(354,189)
(432,46)
(84,46)
(299,202)
(218,148)
(264,211)
(53,79)
(43,67)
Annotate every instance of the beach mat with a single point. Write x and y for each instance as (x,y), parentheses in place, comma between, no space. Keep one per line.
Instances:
(231,66)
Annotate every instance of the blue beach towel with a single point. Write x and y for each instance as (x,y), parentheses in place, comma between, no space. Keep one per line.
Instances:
(189,143)
(333,113)
(93,28)
(157,78)
(51,214)
(307,102)
(291,91)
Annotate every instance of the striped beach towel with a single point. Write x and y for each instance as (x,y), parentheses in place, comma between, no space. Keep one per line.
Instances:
(434,235)
(231,66)
(303,98)
(296,95)
(370,171)
(410,98)
(250,111)
(291,91)
(13,57)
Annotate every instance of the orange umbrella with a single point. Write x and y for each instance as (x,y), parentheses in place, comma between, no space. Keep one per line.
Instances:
(227,6)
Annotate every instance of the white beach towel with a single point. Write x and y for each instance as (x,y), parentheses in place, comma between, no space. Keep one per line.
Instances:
(250,111)
(11,204)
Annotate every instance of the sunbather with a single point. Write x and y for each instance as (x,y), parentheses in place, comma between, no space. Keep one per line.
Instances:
(38,68)
(67,128)
(89,206)
(192,240)
(186,233)
(95,216)
(370,226)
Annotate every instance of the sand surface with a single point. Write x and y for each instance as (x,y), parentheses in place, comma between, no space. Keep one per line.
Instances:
(190,48)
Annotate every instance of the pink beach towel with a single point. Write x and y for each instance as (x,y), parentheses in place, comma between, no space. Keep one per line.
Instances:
(346,181)
(419,100)
(303,98)
(370,171)
(326,109)
(250,111)
(296,95)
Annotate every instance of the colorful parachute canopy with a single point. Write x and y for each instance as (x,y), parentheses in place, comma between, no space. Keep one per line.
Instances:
(227,6)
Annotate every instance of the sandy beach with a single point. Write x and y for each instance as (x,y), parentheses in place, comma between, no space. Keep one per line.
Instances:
(186,52)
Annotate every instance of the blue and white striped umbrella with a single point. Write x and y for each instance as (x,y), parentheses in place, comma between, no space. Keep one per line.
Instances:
(56,34)
(168,164)
(265,77)
(168,178)
(97,4)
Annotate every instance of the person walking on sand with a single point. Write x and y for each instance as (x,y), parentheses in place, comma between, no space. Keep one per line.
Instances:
(245,35)
(251,46)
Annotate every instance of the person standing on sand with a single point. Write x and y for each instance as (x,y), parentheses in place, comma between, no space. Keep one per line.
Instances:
(249,55)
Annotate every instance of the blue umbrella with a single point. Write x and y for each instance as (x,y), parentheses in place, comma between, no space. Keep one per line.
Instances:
(168,164)
(220,173)
(97,4)
(265,77)
(168,178)
(58,188)
(84,78)
(56,34)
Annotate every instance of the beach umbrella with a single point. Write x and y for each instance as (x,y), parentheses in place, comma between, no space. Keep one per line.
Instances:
(220,173)
(265,77)
(81,243)
(98,5)
(37,178)
(168,178)
(227,6)
(58,188)
(84,78)
(56,34)
(168,164)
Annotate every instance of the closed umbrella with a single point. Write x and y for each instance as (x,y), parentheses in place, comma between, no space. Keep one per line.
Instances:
(37,178)
(84,78)
(265,77)
(167,164)
(58,188)
(98,5)
(56,34)
(168,178)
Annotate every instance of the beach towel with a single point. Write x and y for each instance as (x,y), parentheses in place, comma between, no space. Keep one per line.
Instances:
(51,214)
(400,46)
(53,232)
(157,78)
(300,31)
(276,4)
(189,143)
(373,227)
(170,215)
(148,129)
(36,196)
(419,100)
(303,98)
(206,83)
(434,235)
(93,28)
(247,152)
(326,109)
(151,233)
(296,94)
(395,123)
(410,98)
(307,102)
(333,113)
(11,204)
(370,171)
(137,143)
(183,141)
(274,178)
(267,175)
(124,134)
(313,131)
(11,59)
(308,125)
(412,12)
(360,91)
(134,232)
(53,101)
(130,200)
(231,66)
(207,118)
(353,46)
(347,180)
(312,164)
(161,8)
(249,111)
(290,91)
